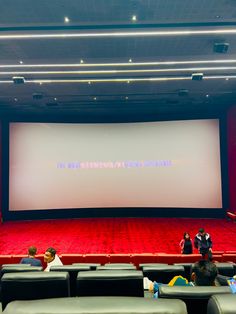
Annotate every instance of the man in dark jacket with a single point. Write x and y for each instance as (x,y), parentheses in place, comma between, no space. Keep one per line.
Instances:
(203,243)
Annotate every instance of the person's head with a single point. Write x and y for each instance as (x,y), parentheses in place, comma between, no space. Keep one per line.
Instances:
(32,251)
(49,255)
(205,273)
(186,236)
(201,231)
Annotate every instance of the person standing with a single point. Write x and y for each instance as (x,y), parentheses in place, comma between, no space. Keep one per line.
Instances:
(203,243)
(186,244)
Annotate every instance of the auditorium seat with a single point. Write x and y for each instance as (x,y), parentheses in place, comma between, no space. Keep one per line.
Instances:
(151,265)
(222,304)
(5,259)
(68,259)
(94,305)
(110,283)
(229,257)
(144,258)
(34,285)
(93,266)
(115,268)
(15,265)
(190,258)
(19,268)
(120,264)
(73,271)
(163,273)
(120,258)
(169,258)
(96,258)
(196,298)
(225,269)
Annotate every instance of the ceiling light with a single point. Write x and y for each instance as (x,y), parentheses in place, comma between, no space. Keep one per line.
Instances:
(64,65)
(89,82)
(126,97)
(81,61)
(123,34)
(197,76)
(207,95)
(134,18)
(21,62)
(15,99)
(94,98)
(227,79)
(66,19)
(221,47)
(130,60)
(55,99)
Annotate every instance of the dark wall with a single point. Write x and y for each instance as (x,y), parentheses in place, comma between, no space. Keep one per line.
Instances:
(232,156)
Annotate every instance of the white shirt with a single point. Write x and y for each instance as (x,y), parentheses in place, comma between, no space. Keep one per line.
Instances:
(55,262)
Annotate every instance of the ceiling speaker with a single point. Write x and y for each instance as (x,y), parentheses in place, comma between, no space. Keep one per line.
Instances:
(197,76)
(18,80)
(221,47)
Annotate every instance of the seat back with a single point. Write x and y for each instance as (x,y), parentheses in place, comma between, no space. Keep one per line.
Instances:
(73,271)
(18,268)
(222,304)
(196,298)
(110,283)
(94,305)
(163,273)
(225,269)
(93,266)
(34,285)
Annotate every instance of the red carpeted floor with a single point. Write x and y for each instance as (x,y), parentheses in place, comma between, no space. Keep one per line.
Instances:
(112,235)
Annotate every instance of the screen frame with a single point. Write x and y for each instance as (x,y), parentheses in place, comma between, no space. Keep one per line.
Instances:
(117,211)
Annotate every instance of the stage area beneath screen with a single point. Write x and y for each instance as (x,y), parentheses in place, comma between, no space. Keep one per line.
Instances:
(112,235)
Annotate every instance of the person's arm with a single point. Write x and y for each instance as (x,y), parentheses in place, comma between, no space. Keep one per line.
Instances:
(181,244)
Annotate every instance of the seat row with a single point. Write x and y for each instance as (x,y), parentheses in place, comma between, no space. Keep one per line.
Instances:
(136,259)
(31,285)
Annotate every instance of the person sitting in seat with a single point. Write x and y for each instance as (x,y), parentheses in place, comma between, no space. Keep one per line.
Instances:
(31,257)
(51,258)
(204,273)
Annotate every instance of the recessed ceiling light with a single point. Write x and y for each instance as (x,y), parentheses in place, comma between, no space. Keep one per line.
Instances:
(134,18)
(81,61)
(55,99)
(15,99)
(130,60)
(66,19)
(21,62)
(207,95)
(126,97)
(94,98)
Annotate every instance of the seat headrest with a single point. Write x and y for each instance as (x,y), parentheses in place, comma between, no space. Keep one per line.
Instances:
(94,305)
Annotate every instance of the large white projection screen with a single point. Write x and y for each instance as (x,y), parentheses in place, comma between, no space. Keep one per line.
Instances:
(151,164)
